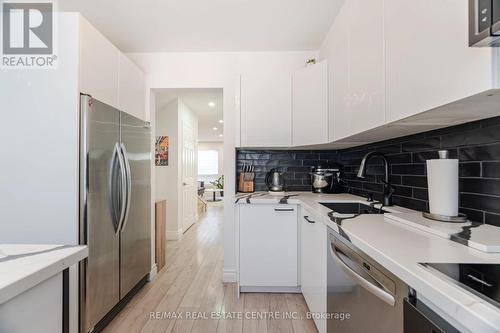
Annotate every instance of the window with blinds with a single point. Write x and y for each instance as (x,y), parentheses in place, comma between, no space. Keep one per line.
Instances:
(208,162)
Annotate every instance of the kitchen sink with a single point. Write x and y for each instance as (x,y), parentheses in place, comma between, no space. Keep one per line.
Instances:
(348,210)
(352,208)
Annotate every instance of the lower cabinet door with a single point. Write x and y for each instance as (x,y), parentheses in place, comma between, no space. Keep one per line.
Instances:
(39,309)
(313,253)
(268,245)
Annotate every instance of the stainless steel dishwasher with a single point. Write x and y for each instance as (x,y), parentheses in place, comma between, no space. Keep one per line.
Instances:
(362,295)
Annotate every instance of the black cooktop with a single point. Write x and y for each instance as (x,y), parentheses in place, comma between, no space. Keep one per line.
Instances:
(481,279)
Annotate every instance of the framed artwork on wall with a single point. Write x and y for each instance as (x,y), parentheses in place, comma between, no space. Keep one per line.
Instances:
(161,151)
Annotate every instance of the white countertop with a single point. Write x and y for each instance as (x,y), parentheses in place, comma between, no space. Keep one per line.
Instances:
(23,266)
(400,248)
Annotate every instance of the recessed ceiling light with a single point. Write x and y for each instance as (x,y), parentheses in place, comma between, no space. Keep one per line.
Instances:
(215,128)
(221,121)
(221,135)
(211,104)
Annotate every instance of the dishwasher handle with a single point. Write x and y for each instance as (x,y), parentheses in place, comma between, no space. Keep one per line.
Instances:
(368,283)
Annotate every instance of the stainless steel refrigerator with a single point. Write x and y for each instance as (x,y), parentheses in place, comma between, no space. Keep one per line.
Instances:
(115,208)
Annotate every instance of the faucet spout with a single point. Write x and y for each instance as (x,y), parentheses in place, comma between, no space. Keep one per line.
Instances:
(388,188)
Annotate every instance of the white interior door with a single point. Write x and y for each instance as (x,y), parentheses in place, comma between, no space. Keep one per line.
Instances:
(189,173)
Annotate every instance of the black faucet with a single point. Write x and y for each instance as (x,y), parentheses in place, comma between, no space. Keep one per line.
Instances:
(388,188)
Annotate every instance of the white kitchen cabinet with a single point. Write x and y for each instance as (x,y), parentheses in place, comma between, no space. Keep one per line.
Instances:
(268,251)
(366,64)
(338,76)
(313,251)
(310,105)
(266,110)
(43,303)
(99,65)
(131,88)
(428,60)
(109,75)
(356,75)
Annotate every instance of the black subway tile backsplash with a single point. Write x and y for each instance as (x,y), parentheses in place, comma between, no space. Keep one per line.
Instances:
(399,158)
(423,156)
(404,191)
(480,202)
(495,121)
(472,214)
(491,169)
(411,203)
(492,219)
(481,186)
(373,187)
(420,193)
(423,144)
(476,144)
(472,169)
(414,181)
(390,149)
(307,156)
(480,153)
(477,136)
(408,169)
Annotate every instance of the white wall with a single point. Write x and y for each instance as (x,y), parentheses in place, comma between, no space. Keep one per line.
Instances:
(167,179)
(39,175)
(39,145)
(218,70)
(168,121)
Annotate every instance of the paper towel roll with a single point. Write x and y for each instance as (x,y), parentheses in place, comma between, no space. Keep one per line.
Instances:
(442,178)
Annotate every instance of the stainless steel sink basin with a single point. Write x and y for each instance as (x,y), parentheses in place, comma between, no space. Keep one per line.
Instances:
(352,208)
(348,210)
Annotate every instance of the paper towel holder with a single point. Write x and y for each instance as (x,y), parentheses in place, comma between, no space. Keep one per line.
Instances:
(443,154)
(460,218)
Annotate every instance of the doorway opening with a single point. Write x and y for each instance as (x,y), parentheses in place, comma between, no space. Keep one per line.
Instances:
(189,157)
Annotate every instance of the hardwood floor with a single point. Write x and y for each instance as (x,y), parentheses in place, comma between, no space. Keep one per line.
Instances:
(189,289)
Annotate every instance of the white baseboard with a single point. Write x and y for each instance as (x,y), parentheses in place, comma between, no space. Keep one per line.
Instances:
(173,235)
(287,290)
(153,272)
(229,276)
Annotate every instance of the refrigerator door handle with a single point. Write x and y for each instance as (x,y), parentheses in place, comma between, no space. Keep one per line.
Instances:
(114,204)
(123,188)
(128,185)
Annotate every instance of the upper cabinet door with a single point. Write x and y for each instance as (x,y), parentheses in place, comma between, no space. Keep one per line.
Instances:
(99,62)
(366,64)
(131,89)
(266,110)
(428,61)
(99,65)
(310,105)
(338,76)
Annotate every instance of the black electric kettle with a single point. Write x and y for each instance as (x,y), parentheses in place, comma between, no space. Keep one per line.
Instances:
(275,181)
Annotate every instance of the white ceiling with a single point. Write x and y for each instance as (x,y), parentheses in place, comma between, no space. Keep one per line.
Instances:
(209,25)
(197,100)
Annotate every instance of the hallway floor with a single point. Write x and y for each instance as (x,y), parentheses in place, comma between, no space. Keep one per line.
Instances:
(188,295)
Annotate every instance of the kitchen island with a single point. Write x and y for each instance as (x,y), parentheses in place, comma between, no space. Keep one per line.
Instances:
(34,286)
(400,249)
